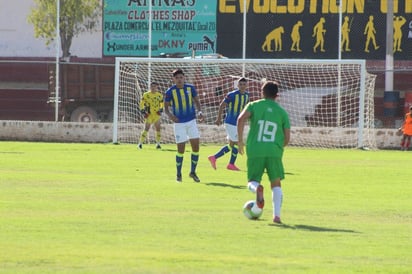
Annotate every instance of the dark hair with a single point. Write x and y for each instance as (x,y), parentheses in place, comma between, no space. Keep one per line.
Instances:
(270,89)
(177,71)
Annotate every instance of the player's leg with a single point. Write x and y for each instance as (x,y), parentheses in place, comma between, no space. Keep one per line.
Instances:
(403,142)
(255,169)
(223,150)
(194,159)
(408,142)
(277,198)
(233,156)
(181,139)
(276,173)
(158,133)
(232,135)
(194,138)
(143,135)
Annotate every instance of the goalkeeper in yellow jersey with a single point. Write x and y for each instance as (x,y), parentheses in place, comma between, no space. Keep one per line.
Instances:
(151,106)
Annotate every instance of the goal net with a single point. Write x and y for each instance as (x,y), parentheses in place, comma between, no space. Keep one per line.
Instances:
(330,102)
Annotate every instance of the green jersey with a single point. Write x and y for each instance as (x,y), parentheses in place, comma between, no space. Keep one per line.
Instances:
(267,122)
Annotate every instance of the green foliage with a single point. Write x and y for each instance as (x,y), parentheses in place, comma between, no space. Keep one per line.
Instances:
(100,208)
(76,16)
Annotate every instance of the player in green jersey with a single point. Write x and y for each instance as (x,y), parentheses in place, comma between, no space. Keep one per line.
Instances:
(269,133)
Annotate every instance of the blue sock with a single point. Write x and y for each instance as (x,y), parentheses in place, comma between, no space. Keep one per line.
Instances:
(233,156)
(179,162)
(195,159)
(222,151)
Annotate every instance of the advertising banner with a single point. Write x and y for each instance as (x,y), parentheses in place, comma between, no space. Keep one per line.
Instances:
(179,27)
(311,28)
(277,29)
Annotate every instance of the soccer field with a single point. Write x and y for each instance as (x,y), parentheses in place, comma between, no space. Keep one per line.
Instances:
(103,208)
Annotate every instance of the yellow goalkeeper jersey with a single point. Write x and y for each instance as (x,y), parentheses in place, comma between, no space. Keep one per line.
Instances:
(151,101)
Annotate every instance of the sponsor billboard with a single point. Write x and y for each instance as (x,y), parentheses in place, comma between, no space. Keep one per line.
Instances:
(178,27)
(310,29)
(274,29)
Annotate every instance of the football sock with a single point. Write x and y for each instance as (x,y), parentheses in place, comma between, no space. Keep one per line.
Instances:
(222,151)
(195,158)
(277,197)
(158,135)
(252,186)
(143,137)
(179,162)
(407,144)
(233,155)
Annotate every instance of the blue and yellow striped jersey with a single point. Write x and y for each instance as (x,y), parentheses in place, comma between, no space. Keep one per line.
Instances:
(152,102)
(181,101)
(235,101)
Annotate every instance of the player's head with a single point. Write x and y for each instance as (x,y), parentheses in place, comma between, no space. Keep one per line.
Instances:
(154,86)
(177,71)
(241,83)
(410,109)
(178,77)
(270,90)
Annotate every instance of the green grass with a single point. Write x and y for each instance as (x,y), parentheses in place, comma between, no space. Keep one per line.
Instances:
(102,208)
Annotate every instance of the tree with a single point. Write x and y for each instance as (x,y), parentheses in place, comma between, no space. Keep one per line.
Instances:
(76,16)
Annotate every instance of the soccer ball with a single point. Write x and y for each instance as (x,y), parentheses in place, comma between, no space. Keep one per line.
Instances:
(251,210)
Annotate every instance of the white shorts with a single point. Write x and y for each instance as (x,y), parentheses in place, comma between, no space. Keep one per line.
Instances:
(186,131)
(231,131)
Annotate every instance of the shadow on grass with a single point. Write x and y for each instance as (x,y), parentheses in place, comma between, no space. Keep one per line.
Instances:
(167,149)
(314,228)
(225,185)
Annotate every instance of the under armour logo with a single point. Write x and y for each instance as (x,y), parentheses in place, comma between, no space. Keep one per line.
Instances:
(111,46)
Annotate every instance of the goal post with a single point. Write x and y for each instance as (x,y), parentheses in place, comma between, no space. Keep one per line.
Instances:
(330,102)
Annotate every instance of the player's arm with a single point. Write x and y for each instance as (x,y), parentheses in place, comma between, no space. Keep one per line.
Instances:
(143,106)
(159,112)
(171,116)
(241,121)
(403,124)
(198,108)
(142,103)
(222,106)
(286,132)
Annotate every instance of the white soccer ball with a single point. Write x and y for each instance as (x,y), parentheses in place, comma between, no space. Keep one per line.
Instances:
(251,210)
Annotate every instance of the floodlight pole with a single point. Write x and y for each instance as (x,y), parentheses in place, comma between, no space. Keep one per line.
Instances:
(389,48)
(339,103)
(149,53)
(244,37)
(56,100)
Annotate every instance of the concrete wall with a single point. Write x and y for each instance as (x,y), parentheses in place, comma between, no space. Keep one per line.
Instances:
(102,133)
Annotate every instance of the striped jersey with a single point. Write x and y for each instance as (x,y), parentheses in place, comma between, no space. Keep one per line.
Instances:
(181,101)
(235,101)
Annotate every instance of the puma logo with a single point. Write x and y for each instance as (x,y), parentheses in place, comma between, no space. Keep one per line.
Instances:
(210,42)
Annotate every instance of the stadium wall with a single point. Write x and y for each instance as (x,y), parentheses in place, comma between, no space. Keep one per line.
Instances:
(33,131)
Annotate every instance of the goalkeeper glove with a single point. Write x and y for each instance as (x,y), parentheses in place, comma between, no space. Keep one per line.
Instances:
(144,112)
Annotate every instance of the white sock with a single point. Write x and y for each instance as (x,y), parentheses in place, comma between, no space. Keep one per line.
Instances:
(252,186)
(277,197)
